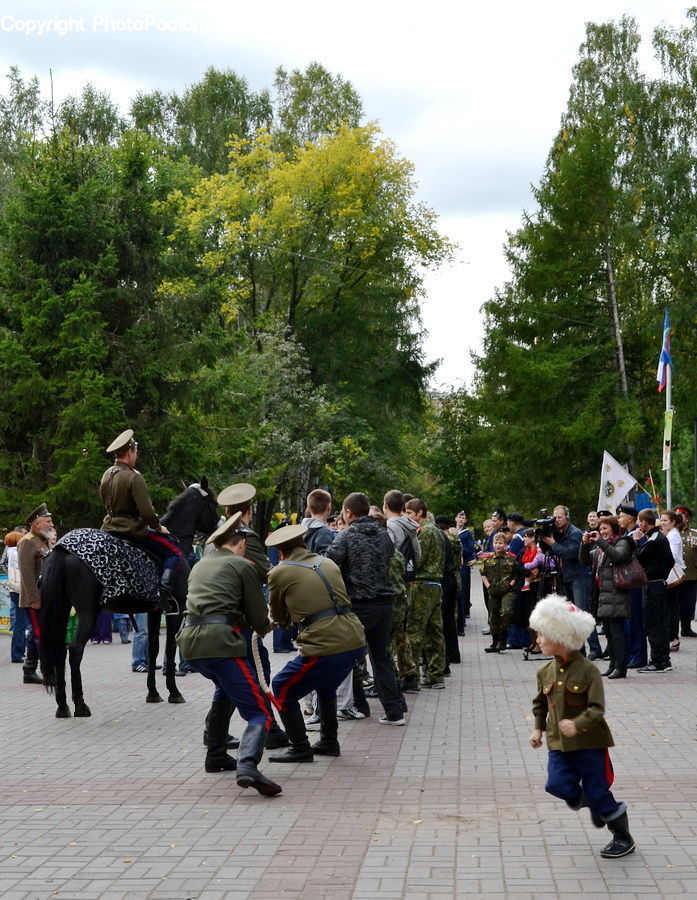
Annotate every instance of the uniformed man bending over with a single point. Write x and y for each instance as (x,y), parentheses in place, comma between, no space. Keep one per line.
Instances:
(224,605)
(237,498)
(307,590)
(130,513)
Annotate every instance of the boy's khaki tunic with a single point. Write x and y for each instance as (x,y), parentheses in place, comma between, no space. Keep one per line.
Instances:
(222,584)
(296,592)
(571,690)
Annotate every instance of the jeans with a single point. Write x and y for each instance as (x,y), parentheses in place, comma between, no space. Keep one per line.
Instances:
(139,651)
(376,618)
(20,623)
(578,592)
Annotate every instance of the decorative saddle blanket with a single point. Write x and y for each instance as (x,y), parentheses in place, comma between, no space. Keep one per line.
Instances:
(125,571)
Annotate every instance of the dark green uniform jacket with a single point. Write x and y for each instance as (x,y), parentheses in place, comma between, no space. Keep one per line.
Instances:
(295,592)
(222,583)
(127,500)
(571,690)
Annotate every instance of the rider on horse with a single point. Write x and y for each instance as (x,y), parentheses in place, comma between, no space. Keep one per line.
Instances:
(130,514)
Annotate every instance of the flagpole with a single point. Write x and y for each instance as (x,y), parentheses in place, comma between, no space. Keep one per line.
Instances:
(669,406)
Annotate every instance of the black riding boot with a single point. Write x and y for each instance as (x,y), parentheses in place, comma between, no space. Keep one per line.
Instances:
(622,842)
(251,749)
(31,664)
(299,750)
(167,601)
(275,736)
(230,742)
(218,719)
(328,744)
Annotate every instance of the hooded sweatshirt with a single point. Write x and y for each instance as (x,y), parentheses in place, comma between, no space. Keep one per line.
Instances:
(403,532)
(362,551)
(318,536)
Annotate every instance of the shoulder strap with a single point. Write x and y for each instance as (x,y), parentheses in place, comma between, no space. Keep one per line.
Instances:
(315,567)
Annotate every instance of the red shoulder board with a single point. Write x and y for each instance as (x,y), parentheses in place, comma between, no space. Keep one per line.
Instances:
(488,555)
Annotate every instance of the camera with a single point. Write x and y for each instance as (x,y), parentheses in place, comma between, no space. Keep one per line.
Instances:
(544,526)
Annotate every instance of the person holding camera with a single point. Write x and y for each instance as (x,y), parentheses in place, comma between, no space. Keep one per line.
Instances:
(604,549)
(565,543)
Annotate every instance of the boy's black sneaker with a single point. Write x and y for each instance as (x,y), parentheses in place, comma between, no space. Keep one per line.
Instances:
(651,669)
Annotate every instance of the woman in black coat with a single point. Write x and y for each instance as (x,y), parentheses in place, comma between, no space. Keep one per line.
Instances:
(604,549)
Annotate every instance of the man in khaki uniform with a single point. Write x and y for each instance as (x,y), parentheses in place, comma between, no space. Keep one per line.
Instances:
(225,606)
(237,498)
(130,513)
(307,590)
(31,551)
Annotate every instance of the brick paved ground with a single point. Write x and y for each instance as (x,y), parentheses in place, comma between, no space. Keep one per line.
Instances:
(118,806)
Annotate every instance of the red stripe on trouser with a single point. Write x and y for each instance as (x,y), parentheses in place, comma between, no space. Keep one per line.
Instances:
(160,539)
(34,619)
(306,665)
(256,690)
(609,771)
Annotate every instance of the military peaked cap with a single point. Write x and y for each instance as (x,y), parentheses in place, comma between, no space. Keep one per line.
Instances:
(125,439)
(237,493)
(284,535)
(39,513)
(629,510)
(225,531)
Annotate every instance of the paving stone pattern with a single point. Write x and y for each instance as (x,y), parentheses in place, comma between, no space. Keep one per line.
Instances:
(453,805)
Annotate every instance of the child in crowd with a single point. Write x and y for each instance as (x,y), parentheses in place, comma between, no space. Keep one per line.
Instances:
(500,574)
(570,708)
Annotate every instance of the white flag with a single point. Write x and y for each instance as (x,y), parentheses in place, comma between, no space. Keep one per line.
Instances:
(615,484)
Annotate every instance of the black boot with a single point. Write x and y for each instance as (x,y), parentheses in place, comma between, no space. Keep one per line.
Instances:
(622,842)
(231,742)
(166,599)
(503,640)
(328,744)
(276,736)
(251,749)
(610,669)
(618,673)
(299,750)
(31,676)
(218,718)
(494,646)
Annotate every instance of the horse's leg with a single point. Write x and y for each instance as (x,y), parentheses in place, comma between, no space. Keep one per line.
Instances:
(87,618)
(62,708)
(153,649)
(172,624)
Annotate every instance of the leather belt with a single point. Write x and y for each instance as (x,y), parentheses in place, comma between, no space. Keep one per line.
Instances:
(323,614)
(208,620)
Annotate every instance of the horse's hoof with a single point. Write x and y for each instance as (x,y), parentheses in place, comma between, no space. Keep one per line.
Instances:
(82,711)
(176,698)
(154,698)
(63,712)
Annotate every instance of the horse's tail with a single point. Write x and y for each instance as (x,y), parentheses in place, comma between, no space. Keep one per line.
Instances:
(54,615)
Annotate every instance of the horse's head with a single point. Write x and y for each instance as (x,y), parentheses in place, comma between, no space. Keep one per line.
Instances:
(195,510)
(207,515)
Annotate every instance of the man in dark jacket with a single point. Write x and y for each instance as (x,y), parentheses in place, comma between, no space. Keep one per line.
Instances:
(319,535)
(565,545)
(362,552)
(655,555)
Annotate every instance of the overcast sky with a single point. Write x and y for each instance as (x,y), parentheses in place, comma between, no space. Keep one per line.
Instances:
(471,93)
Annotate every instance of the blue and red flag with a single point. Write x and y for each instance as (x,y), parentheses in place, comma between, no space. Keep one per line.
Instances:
(664,359)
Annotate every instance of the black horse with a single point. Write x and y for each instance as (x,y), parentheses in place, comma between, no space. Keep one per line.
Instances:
(68,582)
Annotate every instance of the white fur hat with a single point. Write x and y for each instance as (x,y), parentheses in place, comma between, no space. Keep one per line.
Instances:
(561,621)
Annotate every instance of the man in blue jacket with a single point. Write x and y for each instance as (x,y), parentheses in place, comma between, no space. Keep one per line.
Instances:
(565,544)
